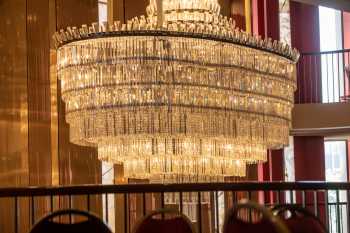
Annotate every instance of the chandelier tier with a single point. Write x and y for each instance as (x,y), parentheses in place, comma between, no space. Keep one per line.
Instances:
(178,95)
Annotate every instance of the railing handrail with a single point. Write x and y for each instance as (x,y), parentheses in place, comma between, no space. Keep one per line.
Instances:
(161,188)
(325,52)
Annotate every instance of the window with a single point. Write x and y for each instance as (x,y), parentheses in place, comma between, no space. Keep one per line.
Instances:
(285,30)
(331,64)
(336,171)
(289,169)
(102,11)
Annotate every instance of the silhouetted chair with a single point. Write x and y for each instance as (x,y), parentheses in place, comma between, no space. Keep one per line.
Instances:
(299,220)
(89,224)
(164,221)
(252,218)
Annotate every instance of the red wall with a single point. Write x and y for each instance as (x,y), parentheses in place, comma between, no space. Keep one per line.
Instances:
(305,35)
(346,24)
(348,160)
(305,30)
(309,158)
(308,151)
(346,44)
(265,18)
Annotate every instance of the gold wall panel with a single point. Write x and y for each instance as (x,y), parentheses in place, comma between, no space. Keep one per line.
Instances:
(39,110)
(121,10)
(226,7)
(77,164)
(13,97)
(39,104)
(53,92)
(134,8)
(13,109)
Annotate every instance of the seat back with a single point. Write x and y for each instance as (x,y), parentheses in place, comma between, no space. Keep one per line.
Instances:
(90,224)
(299,220)
(264,221)
(166,220)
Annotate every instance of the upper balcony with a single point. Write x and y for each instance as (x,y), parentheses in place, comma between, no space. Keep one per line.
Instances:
(323,77)
(323,95)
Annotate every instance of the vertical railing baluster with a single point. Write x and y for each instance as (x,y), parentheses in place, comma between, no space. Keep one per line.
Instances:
(107,207)
(217,211)
(304,87)
(181,203)
(33,209)
(278,201)
(327,71)
(51,203)
(348,197)
(70,207)
(266,196)
(333,85)
(338,212)
(303,199)
(318,79)
(348,88)
(126,213)
(88,202)
(315,203)
(326,209)
(162,200)
(339,77)
(162,203)
(234,200)
(16,214)
(144,204)
(291,196)
(250,210)
(199,208)
(311,81)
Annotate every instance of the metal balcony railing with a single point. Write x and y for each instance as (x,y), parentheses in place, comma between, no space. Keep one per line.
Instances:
(323,77)
(121,206)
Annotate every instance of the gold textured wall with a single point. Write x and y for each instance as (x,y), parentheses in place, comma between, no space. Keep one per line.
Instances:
(13,106)
(77,164)
(34,137)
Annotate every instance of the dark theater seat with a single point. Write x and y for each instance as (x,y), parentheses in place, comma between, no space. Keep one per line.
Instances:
(299,220)
(89,223)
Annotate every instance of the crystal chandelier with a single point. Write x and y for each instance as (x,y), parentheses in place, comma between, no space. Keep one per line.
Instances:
(178,96)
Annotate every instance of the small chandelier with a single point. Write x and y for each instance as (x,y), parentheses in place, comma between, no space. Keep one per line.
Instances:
(178,96)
